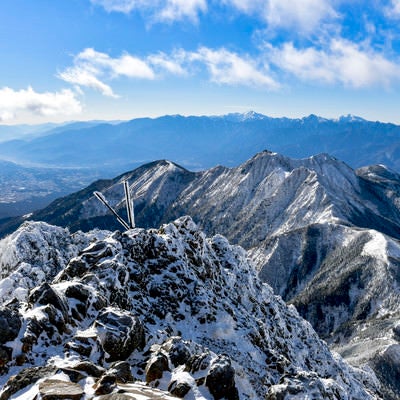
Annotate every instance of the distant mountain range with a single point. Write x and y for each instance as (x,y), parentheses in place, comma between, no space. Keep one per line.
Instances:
(324,236)
(203,142)
(107,149)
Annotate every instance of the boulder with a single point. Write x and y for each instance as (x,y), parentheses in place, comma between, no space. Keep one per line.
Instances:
(178,352)
(23,379)
(220,379)
(89,368)
(55,389)
(179,389)
(122,371)
(156,366)
(5,356)
(45,294)
(10,324)
(105,385)
(120,333)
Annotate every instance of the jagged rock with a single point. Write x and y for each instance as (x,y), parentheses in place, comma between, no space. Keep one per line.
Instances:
(56,318)
(136,391)
(115,396)
(120,333)
(5,356)
(73,374)
(23,379)
(203,290)
(77,291)
(198,362)
(45,294)
(89,368)
(177,351)
(106,384)
(221,379)
(75,268)
(10,324)
(55,389)
(86,343)
(156,366)
(179,389)
(122,371)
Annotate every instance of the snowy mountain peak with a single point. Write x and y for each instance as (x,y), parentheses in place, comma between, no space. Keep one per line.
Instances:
(192,318)
(246,116)
(350,118)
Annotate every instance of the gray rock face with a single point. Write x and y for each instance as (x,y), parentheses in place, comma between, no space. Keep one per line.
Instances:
(119,333)
(54,389)
(156,366)
(10,324)
(24,378)
(221,379)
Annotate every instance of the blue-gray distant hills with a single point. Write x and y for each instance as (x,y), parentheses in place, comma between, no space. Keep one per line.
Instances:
(67,157)
(205,141)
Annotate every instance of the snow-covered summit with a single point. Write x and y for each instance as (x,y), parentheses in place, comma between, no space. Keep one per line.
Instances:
(192,318)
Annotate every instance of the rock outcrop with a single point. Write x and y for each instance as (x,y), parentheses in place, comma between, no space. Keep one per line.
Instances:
(186,314)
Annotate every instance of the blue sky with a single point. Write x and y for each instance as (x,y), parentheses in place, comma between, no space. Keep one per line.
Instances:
(120,59)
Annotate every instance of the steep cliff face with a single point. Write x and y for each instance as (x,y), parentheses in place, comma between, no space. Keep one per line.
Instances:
(170,307)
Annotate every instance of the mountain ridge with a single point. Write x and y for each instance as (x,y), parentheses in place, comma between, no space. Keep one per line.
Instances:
(310,223)
(199,319)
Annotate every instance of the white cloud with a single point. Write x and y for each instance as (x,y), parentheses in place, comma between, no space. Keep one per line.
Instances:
(342,62)
(393,9)
(229,68)
(181,9)
(81,76)
(171,64)
(124,6)
(248,6)
(13,101)
(305,16)
(91,67)
(165,10)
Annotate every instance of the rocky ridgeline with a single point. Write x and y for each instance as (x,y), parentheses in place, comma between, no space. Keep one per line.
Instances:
(163,313)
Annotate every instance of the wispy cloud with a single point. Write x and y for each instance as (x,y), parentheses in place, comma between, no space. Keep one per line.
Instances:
(229,68)
(92,67)
(393,9)
(164,10)
(123,6)
(304,15)
(175,10)
(301,16)
(172,64)
(340,62)
(13,101)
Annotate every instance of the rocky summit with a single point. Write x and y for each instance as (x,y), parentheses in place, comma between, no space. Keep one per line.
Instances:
(158,313)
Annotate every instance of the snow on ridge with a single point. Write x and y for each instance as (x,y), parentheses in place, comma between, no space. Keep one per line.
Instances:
(36,252)
(179,282)
(377,247)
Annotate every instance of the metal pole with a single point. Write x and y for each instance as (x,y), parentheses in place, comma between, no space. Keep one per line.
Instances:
(104,201)
(129,205)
